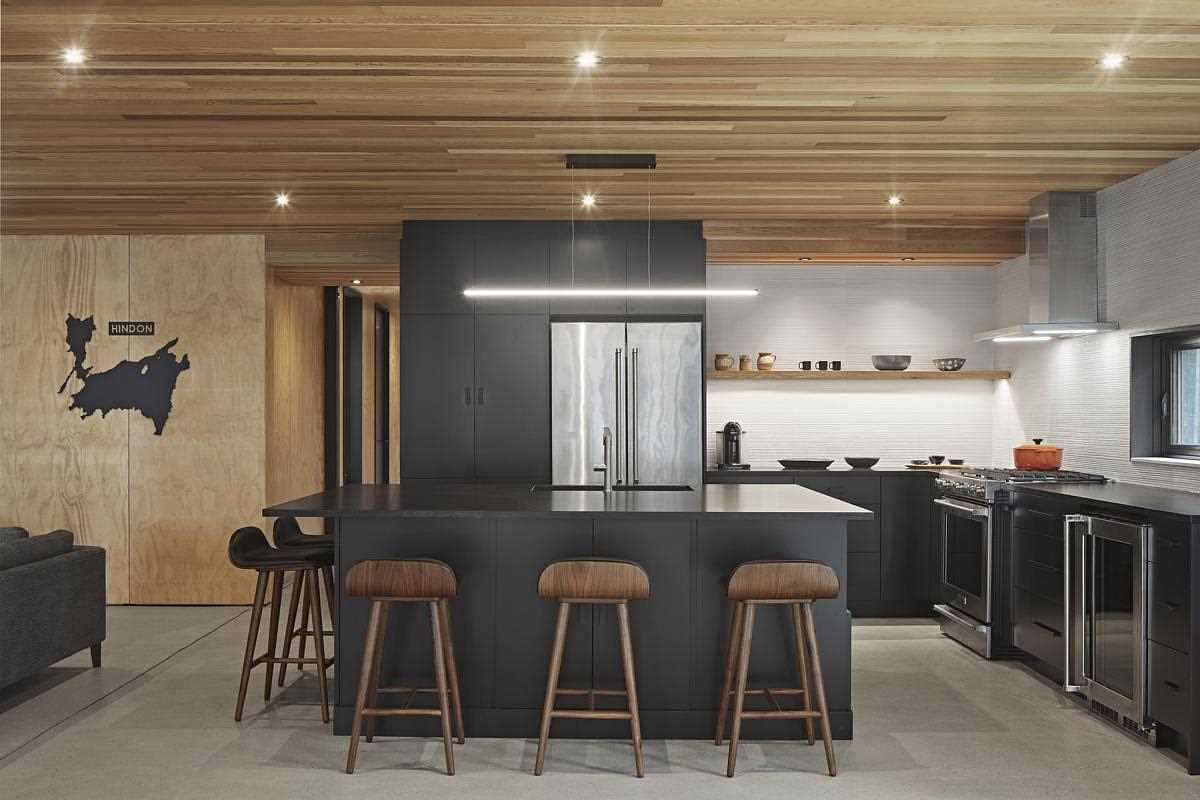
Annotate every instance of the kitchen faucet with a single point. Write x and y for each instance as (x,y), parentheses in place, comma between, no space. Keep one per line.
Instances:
(606,444)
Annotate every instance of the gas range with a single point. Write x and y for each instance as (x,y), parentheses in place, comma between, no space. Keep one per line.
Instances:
(985,485)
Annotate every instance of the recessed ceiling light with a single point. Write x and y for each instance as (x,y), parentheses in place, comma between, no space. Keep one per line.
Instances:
(588,200)
(906,258)
(895,200)
(73,56)
(356,281)
(282,200)
(805,258)
(587,59)
(1113,60)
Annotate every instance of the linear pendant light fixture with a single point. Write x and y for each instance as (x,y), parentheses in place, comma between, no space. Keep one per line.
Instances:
(618,161)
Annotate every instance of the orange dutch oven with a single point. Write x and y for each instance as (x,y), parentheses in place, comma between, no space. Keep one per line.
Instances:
(1037,456)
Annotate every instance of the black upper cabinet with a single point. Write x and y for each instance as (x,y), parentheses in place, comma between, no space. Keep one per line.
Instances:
(589,261)
(508,262)
(676,258)
(512,398)
(437,262)
(437,428)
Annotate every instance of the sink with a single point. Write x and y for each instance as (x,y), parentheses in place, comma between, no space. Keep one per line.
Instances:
(594,487)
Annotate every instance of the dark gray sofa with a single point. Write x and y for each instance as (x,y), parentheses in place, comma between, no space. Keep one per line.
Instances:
(52,601)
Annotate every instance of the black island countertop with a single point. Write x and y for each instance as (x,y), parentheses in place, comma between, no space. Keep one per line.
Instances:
(837,469)
(466,500)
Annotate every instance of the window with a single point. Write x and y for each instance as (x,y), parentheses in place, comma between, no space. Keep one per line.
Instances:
(1181,397)
(1164,417)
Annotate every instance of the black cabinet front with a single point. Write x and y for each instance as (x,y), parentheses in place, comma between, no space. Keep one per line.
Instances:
(512,397)
(437,396)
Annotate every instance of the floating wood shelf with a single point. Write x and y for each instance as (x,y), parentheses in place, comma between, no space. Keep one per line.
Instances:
(860,375)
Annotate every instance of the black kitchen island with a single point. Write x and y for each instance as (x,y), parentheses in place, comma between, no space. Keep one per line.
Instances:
(498,538)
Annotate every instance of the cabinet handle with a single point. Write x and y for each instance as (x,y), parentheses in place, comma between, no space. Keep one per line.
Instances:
(479,397)
(1047,628)
(467,396)
(1174,687)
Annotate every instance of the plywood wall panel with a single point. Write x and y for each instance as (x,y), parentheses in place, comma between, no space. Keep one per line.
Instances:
(368,390)
(56,469)
(295,394)
(204,477)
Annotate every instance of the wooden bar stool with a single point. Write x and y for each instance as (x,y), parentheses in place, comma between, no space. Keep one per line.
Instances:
(796,584)
(249,549)
(387,581)
(592,581)
(287,534)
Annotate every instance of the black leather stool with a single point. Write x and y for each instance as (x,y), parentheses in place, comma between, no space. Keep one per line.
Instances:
(287,535)
(249,549)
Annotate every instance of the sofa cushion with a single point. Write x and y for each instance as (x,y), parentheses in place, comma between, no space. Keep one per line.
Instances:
(35,548)
(12,534)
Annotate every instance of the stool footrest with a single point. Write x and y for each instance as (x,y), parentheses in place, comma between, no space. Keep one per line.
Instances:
(597,692)
(781,715)
(266,659)
(402,712)
(586,714)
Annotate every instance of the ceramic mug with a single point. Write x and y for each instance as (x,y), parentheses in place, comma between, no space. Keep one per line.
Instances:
(805,365)
(822,365)
(766,361)
(723,361)
(835,365)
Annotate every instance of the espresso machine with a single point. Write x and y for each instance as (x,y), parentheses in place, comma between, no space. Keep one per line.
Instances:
(731,447)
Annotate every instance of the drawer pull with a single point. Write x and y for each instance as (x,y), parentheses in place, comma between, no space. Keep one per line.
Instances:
(1043,567)
(1174,687)
(1047,628)
(1170,607)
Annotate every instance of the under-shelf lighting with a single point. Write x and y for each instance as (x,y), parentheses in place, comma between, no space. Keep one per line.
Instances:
(1066,332)
(1003,339)
(698,292)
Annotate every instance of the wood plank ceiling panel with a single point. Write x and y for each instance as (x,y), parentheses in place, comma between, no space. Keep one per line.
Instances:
(802,117)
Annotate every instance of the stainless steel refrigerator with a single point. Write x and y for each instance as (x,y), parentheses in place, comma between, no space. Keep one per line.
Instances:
(642,380)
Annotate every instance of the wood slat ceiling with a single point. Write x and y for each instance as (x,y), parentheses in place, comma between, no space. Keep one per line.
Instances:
(783,125)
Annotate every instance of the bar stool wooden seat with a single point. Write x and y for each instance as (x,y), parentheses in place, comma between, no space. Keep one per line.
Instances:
(796,584)
(592,581)
(249,549)
(287,534)
(387,581)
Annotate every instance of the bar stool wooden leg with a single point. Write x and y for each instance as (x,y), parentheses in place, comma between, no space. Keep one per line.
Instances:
(439,670)
(635,720)
(304,613)
(260,594)
(739,697)
(330,597)
(452,669)
(556,654)
(370,656)
(731,653)
(802,668)
(376,669)
(273,632)
(289,629)
(314,602)
(810,632)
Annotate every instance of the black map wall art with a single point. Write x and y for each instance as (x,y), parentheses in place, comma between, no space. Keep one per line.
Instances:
(145,385)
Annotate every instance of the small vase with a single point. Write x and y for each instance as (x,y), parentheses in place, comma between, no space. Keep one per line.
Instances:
(723,361)
(745,364)
(766,361)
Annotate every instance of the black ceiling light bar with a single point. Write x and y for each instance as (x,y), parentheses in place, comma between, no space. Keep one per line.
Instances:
(611,161)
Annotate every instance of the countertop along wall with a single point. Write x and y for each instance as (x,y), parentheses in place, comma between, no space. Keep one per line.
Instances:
(849,313)
(1075,392)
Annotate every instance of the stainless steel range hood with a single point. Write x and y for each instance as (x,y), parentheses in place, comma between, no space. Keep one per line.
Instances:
(1064,287)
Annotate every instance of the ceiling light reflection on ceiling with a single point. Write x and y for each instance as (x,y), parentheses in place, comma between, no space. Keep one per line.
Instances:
(1003,339)
(537,292)
(588,200)
(282,200)
(73,56)
(587,59)
(895,200)
(1112,60)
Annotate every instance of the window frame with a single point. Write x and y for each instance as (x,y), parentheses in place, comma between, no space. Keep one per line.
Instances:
(1167,346)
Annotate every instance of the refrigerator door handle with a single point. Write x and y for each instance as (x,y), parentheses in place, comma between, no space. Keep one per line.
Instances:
(633,423)
(620,411)
(1074,615)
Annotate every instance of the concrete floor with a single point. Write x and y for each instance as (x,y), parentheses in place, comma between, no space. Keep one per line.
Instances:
(932,721)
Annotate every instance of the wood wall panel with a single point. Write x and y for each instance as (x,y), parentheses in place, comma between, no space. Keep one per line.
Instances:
(327,259)
(295,394)
(203,478)
(387,296)
(368,391)
(56,469)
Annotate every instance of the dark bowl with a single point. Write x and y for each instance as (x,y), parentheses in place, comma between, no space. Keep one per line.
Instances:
(894,363)
(957,462)
(801,463)
(861,463)
(949,364)
(936,459)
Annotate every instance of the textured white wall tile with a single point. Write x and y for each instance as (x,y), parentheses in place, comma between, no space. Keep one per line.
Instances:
(850,313)
(1075,392)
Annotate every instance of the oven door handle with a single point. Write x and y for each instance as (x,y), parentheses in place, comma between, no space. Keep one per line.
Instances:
(974,511)
(1072,598)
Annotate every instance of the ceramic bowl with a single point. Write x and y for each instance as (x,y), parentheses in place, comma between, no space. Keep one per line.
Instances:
(891,362)
(800,463)
(861,463)
(949,364)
